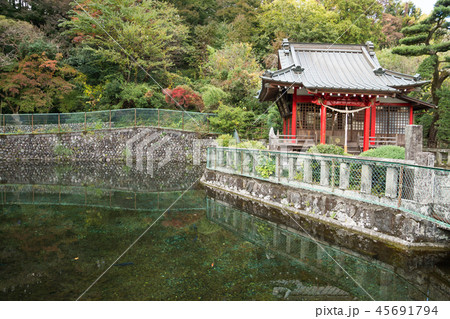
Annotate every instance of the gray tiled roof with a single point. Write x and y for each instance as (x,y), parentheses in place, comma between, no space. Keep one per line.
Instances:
(334,68)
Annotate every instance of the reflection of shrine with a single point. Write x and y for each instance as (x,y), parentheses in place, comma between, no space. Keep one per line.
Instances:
(323,260)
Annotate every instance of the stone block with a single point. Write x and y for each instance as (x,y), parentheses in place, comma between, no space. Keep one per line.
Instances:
(413,141)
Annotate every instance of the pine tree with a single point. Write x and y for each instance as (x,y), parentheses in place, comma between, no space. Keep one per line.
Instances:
(430,37)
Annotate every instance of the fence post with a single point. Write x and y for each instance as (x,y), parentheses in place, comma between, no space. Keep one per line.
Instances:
(59,123)
(242,162)
(158,117)
(182,120)
(85,118)
(32,123)
(391,182)
(307,171)
(344,176)
(366,179)
(324,172)
(291,165)
(135,119)
(400,186)
(277,166)
(4,123)
(207,123)
(110,119)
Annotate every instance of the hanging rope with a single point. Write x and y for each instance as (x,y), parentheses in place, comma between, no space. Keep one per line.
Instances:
(343,111)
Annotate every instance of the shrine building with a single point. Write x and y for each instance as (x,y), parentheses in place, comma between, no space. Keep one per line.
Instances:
(340,94)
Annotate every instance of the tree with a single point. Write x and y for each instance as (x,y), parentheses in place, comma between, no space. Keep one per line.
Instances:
(444,120)
(397,15)
(35,85)
(235,70)
(352,21)
(358,20)
(15,38)
(430,37)
(130,34)
(184,96)
(230,118)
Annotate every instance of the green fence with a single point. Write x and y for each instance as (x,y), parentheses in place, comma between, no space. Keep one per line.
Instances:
(89,121)
(58,195)
(422,191)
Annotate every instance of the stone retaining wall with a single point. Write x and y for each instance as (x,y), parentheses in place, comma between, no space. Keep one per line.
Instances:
(107,145)
(293,207)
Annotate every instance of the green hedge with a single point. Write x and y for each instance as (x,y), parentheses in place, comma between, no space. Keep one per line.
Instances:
(327,149)
(387,151)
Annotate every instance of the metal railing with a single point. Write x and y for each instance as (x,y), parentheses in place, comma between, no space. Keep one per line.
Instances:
(90,121)
(422,191)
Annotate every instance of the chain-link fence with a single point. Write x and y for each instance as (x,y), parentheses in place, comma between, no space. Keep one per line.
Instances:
(423,191)
(18,194)
(90,121)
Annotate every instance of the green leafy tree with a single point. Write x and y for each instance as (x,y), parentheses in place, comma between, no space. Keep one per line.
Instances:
(230,118)
(359,20)
(444,120)
(430,38)
(213,96)
(235,70)
(146,33)
(353,21)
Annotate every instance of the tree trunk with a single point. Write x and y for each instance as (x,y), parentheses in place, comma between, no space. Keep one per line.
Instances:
(432,133)
(435,86)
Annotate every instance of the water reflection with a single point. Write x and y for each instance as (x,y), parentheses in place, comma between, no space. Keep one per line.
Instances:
(371,278)
(61,226)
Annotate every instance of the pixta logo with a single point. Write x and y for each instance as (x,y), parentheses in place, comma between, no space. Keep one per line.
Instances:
(156,149)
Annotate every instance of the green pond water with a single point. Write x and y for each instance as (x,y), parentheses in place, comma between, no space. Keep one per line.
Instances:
(62,226)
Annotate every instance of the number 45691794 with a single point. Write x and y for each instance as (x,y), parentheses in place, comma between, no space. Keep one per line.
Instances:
(406,310)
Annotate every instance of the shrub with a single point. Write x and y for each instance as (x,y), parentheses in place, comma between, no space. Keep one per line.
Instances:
(387,151)
(252,145)
(226,140)
(184,96)
(229,119)
(267,166)
(327,149)
(213,96)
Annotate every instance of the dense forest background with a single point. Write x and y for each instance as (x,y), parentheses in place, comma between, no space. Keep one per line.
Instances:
(203,55)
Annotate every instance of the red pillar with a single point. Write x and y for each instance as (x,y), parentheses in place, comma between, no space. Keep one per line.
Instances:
(373,120)
(323,124)
(294,114)
(411,115)
(366,130)
(284,126)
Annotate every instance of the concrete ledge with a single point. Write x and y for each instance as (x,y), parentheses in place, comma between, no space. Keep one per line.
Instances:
(377,224)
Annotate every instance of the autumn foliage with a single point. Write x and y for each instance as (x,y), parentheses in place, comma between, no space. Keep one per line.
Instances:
(184,96)
(35,84)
